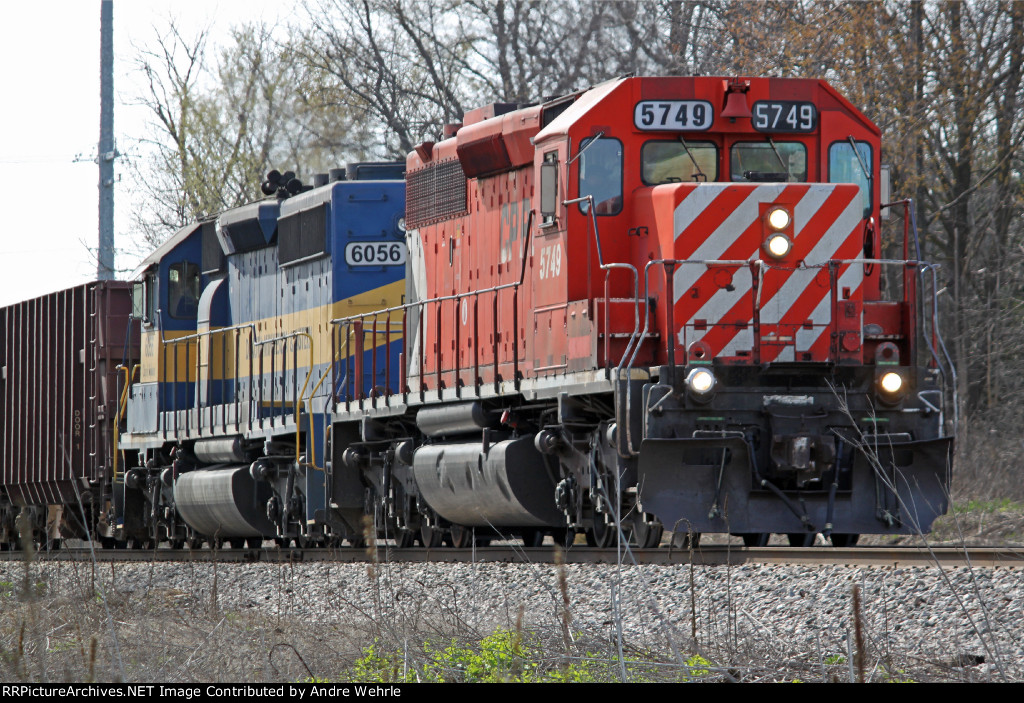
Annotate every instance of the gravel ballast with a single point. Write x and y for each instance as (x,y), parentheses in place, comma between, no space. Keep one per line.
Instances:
(753,622)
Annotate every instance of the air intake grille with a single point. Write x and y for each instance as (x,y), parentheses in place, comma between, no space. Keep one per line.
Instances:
(302,235)
(437,192)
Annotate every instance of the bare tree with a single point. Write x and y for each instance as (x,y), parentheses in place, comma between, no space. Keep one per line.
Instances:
(374,59)
(173,68)
(218,123)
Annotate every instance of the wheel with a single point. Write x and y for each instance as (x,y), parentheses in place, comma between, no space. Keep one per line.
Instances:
(176,543)
(461,537)
(800,539)
(404,537)
(356,542)
(755,539)
(685,540)
(647,532)
(563,536)
(844,539)
(602,534)
(308,541)
(237,542)
(430,536)
(254,542)
(532,537)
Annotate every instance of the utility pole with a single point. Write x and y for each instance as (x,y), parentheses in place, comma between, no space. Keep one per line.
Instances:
(107,153)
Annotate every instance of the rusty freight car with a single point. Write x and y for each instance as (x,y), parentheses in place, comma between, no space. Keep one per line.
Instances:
(59,390)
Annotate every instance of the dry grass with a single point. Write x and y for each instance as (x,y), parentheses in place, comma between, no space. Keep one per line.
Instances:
(87,629)
(71,622)
(990,458)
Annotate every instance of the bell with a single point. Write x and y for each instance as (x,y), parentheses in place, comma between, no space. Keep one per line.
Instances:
(736,102)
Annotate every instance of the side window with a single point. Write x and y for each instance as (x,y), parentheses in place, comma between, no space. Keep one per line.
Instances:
(601,175)
(848,166)
(150,295)
(549,188)
(764,162)
(183,290)
(670,161)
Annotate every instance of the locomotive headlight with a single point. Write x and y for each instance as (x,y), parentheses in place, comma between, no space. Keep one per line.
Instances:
(778,245)
(778,218)
(700,381)
(891,383)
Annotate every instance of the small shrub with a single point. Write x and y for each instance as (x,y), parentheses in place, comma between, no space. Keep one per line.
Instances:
(698,665)
(501,657)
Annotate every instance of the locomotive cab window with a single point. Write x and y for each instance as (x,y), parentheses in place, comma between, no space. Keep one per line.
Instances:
(601,175)
(549,188)
(675,161)
(768,162)
(183,290)
(149,297)
(848,166)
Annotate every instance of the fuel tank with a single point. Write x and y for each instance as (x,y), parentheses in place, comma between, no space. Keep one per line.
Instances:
(224,502)
(505,484)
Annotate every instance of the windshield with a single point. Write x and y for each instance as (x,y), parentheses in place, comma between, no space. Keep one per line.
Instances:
(601,174)
(666,161)
(845,167)
(768,162)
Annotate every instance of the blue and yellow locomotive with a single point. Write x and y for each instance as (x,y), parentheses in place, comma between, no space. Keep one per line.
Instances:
(228,411)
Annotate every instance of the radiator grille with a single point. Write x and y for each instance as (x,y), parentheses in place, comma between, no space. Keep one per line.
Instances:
(302,235)
(437,192)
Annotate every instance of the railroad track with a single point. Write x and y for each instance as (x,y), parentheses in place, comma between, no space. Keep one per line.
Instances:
(710,555)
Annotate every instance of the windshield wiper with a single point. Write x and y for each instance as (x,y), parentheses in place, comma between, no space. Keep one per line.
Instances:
(700,174)
(856,153)
(591,143)
(771,143)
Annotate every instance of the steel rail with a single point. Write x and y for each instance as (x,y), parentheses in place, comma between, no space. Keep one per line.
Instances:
(712,555)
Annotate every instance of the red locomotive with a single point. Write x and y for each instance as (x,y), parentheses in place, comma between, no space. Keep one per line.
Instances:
(657,303)
(660,303)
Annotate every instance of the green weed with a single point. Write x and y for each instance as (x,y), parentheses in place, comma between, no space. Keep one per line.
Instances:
(504,656)
(989,506)
(698,665)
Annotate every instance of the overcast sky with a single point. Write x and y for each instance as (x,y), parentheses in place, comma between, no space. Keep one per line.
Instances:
(50,53)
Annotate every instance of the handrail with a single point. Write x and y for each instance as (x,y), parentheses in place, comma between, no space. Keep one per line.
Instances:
(351,321)
(671,264)
(254,344)
(309,414)
(298,397)
(209,335)
(953,381)
(121,407)
(608,268)
(354,325)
